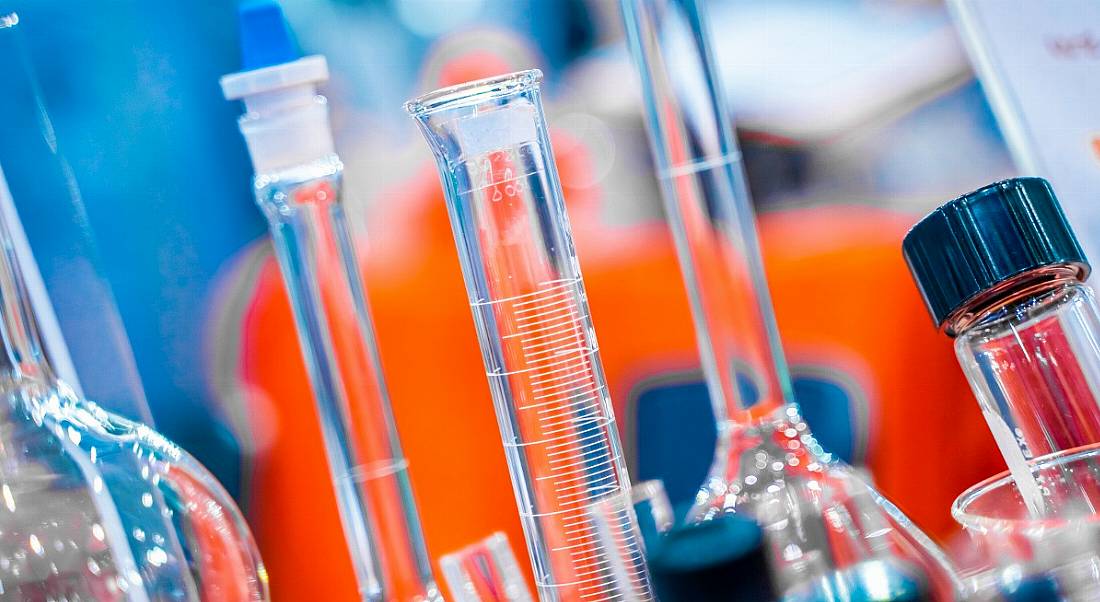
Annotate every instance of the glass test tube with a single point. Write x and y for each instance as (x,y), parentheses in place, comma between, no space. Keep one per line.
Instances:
(541,357)
(312,241)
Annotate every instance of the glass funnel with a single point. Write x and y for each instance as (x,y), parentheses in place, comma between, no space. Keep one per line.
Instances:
(93,506)
(817,514)
(531,311)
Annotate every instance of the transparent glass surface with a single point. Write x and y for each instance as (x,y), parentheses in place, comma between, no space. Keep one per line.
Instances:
(652,507)
(369,472)
(767,462)
(528,300)
(80,323)
(612,518)
(93,506)
(1053,548)
(1033,361)
(485,571)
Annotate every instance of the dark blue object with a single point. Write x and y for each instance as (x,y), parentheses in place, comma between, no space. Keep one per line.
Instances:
(833,405)
(981,239)
(1036,589)
(679,457)
(266,38)
(716,560)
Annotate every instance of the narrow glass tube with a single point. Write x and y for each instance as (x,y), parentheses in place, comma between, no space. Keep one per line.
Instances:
(541,358)
(485,571)
(81,325)
(707,202)
(369,472)
(767,462)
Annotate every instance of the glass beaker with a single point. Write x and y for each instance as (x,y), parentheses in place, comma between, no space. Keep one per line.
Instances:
(93,506)
(821,520)
(524,285)
(1056,554)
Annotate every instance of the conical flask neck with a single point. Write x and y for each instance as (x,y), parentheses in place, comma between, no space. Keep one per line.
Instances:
(23,354)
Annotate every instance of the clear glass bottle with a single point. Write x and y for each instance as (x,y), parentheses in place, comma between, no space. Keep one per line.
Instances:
(1002,273)
(298,186)
(93,506)
(825,528)
(541,358)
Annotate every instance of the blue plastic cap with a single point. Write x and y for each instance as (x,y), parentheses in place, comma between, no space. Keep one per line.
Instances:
(979,240)
(266,38)
(720,559)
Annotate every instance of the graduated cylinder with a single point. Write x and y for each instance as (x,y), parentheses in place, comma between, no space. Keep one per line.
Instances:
(540,351)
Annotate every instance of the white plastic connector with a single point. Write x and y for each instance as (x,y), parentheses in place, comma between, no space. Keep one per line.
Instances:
(286,121)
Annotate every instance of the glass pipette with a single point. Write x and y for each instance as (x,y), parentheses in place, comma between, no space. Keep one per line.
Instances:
(298,186)
(766,462)
(524,283)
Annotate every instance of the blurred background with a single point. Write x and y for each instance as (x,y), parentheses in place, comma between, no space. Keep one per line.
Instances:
(855,116)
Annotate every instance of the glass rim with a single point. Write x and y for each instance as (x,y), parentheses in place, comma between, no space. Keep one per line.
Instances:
(473,92)
(972,521)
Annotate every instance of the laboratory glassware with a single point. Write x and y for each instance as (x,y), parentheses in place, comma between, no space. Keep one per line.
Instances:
(80,321)
(1003,274)
(93,506)
(818,515)
(653,509)
(1019,551)
(485,571)
(619,535)
(298,185)
(529,304)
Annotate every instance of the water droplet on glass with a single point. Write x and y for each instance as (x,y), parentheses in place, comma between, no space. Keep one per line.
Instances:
(37,545)
(156,556)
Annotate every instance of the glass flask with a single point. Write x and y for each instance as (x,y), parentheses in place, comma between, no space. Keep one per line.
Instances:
(823,524)
(93,506)
(1002,272)
(524,285)
(298,186)
(79,319)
